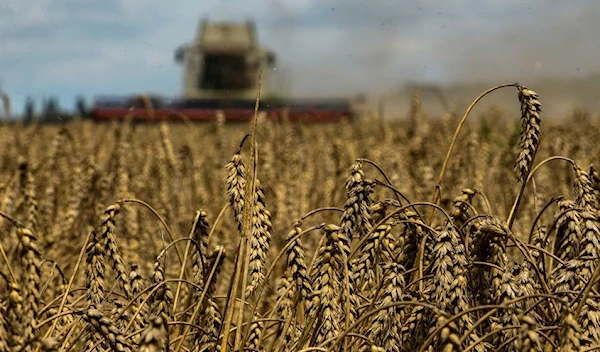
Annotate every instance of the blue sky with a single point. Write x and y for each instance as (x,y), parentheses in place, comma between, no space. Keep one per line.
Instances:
(66,48)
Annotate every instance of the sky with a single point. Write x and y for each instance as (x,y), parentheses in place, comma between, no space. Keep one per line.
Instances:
(67,48)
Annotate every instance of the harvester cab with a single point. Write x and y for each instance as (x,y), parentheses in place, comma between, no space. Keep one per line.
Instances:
(224,62)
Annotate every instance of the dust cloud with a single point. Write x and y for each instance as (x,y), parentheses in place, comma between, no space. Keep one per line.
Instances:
(381,48)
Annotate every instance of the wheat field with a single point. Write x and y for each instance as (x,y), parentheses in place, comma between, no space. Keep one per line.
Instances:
(362,235)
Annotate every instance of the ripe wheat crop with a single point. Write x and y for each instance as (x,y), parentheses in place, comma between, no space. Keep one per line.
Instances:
(428,234)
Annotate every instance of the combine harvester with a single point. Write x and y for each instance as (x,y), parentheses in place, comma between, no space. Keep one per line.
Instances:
(222,67)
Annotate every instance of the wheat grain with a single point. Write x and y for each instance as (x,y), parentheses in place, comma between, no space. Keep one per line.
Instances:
(236,184)
(107,235)
(570,333)
(530,132)
(95,271)
(568,230)
(151,338)
(104,327)
(297,264)
(211,317)
(259,241)
(31,284)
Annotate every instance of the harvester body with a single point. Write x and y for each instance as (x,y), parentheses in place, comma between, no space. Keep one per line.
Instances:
(221,71)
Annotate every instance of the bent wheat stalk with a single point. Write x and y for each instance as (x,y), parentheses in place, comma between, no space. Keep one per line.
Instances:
(436,194)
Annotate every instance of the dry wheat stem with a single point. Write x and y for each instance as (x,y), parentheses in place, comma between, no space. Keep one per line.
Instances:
(436,194)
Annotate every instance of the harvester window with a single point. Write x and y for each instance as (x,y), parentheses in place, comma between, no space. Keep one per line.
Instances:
(224,72)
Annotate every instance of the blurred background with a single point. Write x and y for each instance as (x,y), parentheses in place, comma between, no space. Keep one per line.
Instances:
(381,48)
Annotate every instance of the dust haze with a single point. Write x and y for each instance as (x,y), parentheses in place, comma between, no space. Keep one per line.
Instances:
(384,47)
